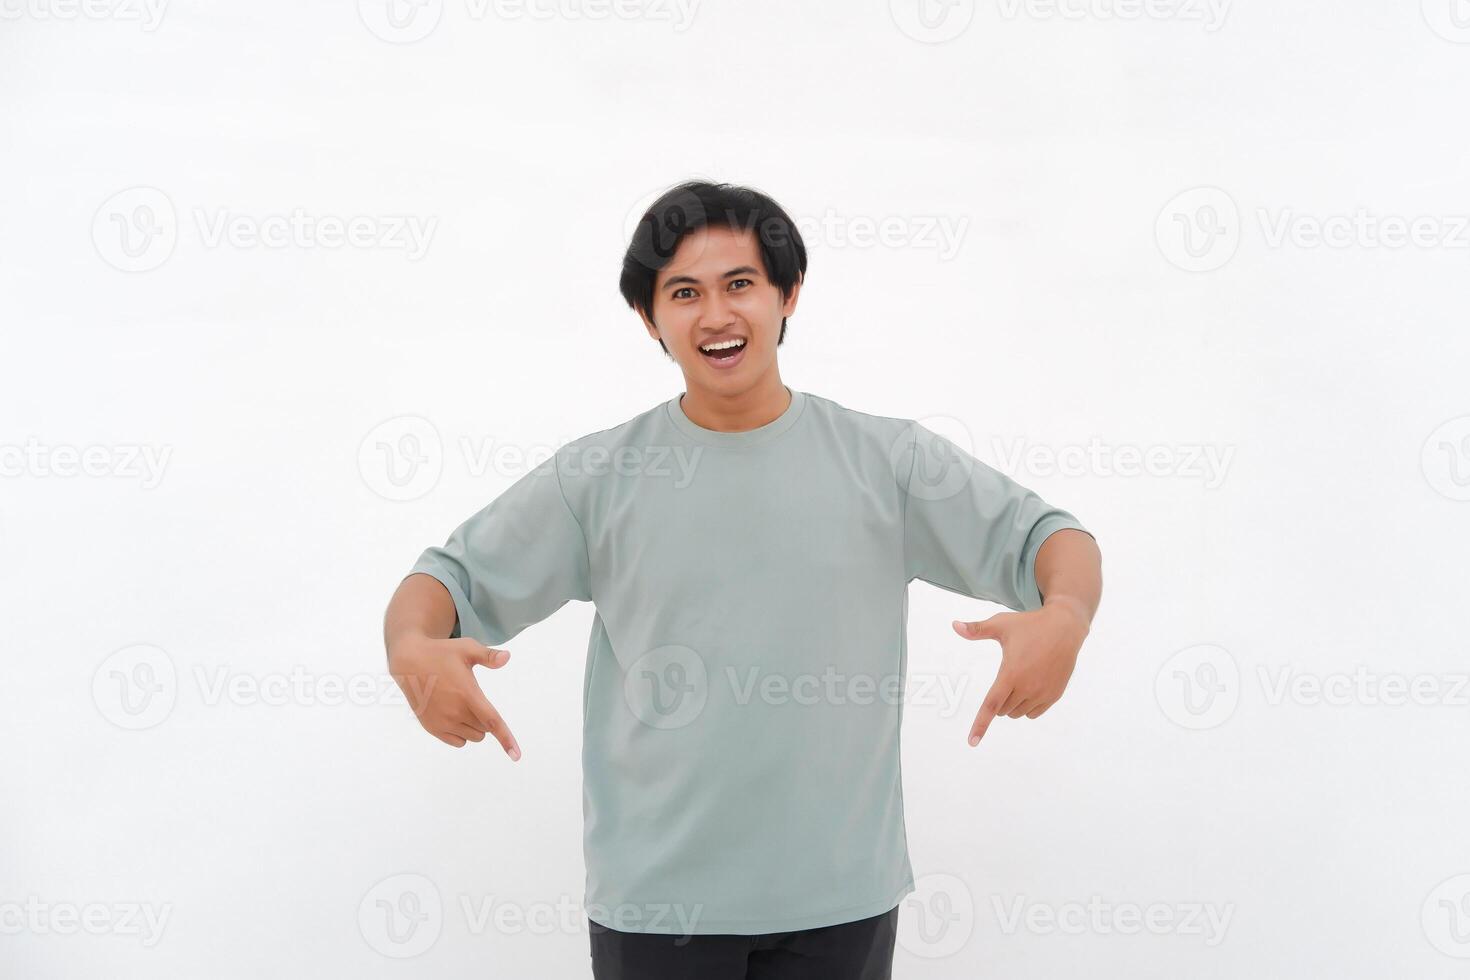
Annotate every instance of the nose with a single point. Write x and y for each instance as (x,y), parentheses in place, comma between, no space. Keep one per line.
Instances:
(716,314)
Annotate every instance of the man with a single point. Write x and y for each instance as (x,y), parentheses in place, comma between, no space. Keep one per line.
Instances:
(748,547)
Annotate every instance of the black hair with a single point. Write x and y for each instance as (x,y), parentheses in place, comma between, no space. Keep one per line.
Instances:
(695,204)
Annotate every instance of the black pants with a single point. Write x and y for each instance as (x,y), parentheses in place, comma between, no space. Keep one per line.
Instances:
(861,950)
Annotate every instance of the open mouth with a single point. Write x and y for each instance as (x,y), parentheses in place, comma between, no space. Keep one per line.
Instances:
(725,353)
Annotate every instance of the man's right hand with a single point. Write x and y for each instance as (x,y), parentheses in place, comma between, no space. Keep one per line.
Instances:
(438,678)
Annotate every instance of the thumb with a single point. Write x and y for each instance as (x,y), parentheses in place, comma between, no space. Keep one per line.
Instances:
(985,629)
(486,656)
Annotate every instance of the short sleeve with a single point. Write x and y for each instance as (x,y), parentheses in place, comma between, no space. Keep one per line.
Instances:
(971,529)
(515,562)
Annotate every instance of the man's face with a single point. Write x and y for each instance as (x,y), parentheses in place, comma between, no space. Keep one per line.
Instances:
(715,289)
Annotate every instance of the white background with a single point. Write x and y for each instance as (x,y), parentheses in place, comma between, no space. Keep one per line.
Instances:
(1177,779)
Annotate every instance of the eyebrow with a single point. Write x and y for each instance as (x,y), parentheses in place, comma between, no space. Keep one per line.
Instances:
(744,270)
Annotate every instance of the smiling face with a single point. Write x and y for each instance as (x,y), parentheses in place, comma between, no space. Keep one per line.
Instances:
(714,291)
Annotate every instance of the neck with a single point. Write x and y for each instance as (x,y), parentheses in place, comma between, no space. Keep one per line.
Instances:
(752,408)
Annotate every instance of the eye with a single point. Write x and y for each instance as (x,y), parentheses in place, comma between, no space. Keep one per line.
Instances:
(734,281)
(682,289)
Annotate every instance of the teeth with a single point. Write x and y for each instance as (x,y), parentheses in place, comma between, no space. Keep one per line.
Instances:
(722,345)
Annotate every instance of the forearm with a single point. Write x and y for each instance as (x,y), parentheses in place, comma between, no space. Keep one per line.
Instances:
(1069,572)
(421,607)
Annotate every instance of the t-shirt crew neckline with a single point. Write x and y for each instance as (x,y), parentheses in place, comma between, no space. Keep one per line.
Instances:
(737,440)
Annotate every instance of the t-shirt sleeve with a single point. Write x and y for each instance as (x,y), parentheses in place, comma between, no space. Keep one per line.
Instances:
(971,529)
(515,562)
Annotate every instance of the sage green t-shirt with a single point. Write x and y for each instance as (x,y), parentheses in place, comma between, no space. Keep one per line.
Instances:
(742,695)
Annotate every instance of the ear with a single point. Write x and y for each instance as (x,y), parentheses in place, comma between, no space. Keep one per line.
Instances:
(789,307)
(648,325)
